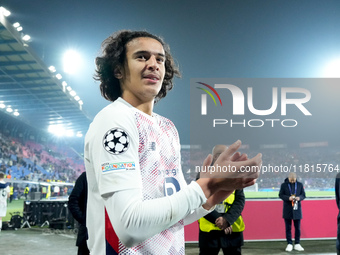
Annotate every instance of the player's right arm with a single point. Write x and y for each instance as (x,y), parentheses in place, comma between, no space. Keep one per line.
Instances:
(133,218)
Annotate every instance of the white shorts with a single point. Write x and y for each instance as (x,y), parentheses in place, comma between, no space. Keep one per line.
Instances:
(3,210)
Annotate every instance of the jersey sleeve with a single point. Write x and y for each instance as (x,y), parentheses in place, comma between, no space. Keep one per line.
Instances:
(196,214)
(135,220)
(111,149)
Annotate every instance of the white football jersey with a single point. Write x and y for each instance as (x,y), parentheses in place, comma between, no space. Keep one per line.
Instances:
(128,149)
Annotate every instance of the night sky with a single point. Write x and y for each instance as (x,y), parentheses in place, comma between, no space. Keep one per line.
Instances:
(209,39)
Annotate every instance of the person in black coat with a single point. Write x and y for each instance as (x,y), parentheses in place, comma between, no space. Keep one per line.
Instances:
(292,193)
(337,199)
(77,202)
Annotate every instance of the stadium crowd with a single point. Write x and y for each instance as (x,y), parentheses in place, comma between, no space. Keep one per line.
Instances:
(304,161)
(32,161)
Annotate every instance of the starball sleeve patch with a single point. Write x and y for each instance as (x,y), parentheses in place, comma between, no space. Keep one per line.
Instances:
(116,141)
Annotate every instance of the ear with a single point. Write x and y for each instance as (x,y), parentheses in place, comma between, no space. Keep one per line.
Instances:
(118,73)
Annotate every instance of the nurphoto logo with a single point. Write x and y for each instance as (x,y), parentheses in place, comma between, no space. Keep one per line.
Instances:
(294,96)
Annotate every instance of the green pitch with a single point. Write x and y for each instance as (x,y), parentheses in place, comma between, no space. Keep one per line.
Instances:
(275,194)
(15,206)
(18,205)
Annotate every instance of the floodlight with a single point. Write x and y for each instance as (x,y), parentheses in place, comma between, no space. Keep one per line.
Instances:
(19,29)
(16,24)
(71,61)
(4,11)
(9,109)
(16,113)
(26,38)
(69,133)
(73,93)
(77,98)
(52,69)
(79,134)
(80,102)
(57,130)
(58,76)
(68,88)
(2,105)
(332,69)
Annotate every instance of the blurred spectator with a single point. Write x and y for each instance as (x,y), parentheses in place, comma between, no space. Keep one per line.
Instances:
(223,227)
(337,199)
(77,205)
(4,191)
(292,193)
(27,189)
(11,192)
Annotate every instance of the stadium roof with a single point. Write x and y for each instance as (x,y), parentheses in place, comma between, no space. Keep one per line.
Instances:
(30,88)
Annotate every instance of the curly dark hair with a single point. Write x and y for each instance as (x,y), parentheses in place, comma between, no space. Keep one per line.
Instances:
(114,56)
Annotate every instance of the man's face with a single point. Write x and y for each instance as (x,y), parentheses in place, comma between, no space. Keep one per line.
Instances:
(292,178)
(144,69)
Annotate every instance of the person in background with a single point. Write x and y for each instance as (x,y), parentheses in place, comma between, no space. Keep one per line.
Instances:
(56,190)
(223,228)
(65,190)
(26,191)
(77,202)
(11,192)
(292,193)
(4,195)
(337,199)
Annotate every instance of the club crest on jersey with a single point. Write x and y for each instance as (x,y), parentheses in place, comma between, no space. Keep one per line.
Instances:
(116,141)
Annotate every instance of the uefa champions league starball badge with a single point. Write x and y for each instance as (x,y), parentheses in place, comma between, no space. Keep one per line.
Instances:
(116,141)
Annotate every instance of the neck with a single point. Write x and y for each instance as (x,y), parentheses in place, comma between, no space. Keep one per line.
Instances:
(144,106)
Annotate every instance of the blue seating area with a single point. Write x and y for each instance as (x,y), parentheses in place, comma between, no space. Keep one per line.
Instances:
(28,160)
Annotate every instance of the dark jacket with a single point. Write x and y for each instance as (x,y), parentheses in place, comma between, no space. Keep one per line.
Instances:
(337,190)
(3,185)
(216,238)
(77,202)
(285,193)
(337,199)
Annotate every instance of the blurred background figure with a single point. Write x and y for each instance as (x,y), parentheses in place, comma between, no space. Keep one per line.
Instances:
(223,227)
(4,195)
(292,193)
(77,205)
(337,198)
(26,191)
